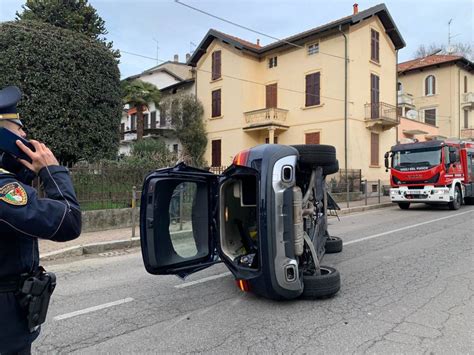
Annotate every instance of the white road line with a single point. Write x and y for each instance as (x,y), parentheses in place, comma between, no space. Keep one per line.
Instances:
(210,278)
(93,309)
(404,228)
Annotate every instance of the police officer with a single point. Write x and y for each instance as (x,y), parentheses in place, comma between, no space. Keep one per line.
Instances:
(25,218)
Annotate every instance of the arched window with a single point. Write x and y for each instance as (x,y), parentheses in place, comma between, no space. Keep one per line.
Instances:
(430,85)
(399,86)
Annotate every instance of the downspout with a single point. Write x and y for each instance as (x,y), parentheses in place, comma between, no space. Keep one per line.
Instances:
(459,100)
(345,114)
(396,96)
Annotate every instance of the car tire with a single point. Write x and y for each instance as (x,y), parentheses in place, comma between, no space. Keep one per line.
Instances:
(456,204)
(333,245)
(404,205)
(316,154)
(321,286)
(331,169)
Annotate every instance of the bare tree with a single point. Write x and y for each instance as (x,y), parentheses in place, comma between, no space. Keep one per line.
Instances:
(464,49)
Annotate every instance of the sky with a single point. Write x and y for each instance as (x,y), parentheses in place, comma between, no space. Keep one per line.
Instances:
(142,25)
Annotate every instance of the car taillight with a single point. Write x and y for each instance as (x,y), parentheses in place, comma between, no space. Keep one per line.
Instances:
(243,285)
(241,158)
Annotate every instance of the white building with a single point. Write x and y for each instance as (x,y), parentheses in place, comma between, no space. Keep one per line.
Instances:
(171,77)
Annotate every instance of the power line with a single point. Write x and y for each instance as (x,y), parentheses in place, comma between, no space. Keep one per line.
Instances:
(250,29)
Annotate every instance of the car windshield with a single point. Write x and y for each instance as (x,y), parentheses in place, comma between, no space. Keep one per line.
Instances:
(416,159)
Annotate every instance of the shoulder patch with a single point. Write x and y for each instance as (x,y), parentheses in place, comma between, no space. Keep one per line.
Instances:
(13,194)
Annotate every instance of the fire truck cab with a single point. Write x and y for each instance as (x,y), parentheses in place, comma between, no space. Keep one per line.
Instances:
(432,172)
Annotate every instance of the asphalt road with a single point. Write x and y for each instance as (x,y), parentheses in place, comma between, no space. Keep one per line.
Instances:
(407,287)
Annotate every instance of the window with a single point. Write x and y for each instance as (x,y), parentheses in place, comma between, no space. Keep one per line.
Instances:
(145,120)
(465,83)
(374,96)
(430,116)
(216,153)
(399,87)
(313,48)
(430,85)
(133,122)
(466,119)
(275,140)
(272,62)
(175,148)
(153,120)
(271,92)
(374,149)
(216,103)
(216,65)
(374,46)
(312,138)
(313,88)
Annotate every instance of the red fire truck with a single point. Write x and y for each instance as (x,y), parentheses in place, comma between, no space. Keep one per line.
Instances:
(431,172)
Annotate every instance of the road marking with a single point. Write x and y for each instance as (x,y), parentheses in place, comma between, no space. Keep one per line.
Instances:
(404,228)
(210,278)
(93,309)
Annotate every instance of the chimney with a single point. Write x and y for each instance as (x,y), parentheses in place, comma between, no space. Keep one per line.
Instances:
(187,57)
(356,8)
(258,41)
(176,58)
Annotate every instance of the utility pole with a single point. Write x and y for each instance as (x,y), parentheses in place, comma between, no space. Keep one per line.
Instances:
(449,49)
(157,48)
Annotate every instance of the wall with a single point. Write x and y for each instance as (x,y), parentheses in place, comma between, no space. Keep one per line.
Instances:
(408,124)
(106,219)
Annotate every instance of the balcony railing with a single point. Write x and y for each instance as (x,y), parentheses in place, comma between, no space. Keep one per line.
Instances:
(405,99)
(266,116)
(381,114)
(467,133)
(467,99)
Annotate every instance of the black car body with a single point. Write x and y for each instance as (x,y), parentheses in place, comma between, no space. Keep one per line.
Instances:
(251,217)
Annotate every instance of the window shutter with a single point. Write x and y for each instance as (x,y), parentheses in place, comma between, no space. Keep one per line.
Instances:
(216,65)
(216,103)
(466,119)
(153,120)
(309,84)
(316,92)
(374,149)
(271,95)
(465,83)
(434,85)
(313,87)
(312,138)
(216,153)
(377,49)
(374,95)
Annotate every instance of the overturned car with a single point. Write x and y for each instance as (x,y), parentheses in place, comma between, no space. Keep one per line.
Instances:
(265,217)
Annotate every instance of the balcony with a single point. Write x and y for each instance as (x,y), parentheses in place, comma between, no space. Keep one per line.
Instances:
(467,100)
(267,118)
(381,115)
(467,133)
(405,100)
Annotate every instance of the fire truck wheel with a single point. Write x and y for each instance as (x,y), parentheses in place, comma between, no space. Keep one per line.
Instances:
(316,154)
(456,204)
(321,286)
(333,245)
(404,205)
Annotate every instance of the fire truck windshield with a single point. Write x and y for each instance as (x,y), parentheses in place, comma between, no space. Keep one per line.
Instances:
(416,159)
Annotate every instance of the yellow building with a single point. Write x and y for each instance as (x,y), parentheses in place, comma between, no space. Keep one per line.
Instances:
(294,91)
(441,90)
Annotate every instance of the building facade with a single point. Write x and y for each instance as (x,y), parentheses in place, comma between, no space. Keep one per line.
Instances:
(437,92)
(171,78)
(334,84)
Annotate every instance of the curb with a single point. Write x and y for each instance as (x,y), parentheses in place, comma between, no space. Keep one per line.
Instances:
(96,248)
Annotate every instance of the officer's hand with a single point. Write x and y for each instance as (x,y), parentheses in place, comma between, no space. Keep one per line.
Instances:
(41,158)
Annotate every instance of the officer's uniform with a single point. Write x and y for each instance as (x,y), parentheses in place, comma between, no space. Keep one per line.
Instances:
(24,218)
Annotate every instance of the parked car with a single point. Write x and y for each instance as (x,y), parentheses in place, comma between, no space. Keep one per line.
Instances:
(265,217)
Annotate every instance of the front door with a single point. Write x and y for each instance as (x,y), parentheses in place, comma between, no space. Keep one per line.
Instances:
(177,226)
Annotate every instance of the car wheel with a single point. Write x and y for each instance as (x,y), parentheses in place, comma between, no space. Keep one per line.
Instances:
(316,154)
(320,286)
(331,169)
(333,245)
(404,205)
(456,204)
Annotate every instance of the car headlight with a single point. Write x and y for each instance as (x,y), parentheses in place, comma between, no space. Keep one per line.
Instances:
(440,191)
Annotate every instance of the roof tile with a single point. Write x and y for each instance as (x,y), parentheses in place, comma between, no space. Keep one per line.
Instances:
(427,61)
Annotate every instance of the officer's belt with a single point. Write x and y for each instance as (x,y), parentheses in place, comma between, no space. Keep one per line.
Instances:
(11,285)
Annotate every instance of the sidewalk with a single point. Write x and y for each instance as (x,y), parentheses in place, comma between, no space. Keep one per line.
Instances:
(94,242)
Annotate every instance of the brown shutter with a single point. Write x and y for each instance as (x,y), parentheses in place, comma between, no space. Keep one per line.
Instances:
(313,87)
(216,103)
(312,138)
(466,119)
(309,85)
(465,83)
(374,46)
(374,149)
(216,65)
(271,95)
(434,85)
(374,95)
(216,153)
(317,86)
(377,44)
(426,85)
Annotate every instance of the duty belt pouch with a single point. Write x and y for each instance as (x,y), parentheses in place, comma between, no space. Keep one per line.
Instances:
(34,296)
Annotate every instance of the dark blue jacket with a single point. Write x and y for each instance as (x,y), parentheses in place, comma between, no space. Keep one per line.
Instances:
(25,218)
